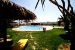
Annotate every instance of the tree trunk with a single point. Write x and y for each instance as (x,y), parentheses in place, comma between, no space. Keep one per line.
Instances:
(73,38)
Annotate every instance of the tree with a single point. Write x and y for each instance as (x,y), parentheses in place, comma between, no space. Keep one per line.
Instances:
(68,17)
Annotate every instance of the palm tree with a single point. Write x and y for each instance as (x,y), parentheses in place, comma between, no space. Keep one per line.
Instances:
(70,15)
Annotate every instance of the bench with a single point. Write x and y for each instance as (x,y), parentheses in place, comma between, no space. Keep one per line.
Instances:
(20,45)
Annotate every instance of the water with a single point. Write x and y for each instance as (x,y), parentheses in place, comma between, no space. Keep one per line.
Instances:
(32,28)
(37,27)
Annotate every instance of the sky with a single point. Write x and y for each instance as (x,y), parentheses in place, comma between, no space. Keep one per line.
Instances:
(50,12)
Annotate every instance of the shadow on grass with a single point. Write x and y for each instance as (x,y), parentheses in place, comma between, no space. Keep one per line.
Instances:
(64,36)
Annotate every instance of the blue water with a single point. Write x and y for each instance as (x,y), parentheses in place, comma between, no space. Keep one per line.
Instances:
(31,27)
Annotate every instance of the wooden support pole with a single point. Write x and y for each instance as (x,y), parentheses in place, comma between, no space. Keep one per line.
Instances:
(3,32)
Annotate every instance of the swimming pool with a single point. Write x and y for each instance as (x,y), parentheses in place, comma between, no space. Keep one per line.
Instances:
(32,28)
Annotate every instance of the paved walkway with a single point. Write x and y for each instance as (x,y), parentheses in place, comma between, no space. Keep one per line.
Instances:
(58,27)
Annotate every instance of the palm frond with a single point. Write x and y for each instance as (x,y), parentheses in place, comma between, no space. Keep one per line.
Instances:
(42,2)
(37,4)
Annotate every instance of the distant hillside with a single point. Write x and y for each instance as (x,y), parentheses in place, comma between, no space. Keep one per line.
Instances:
(52,22)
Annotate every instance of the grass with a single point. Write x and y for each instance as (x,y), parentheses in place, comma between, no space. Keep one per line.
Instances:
(49,40)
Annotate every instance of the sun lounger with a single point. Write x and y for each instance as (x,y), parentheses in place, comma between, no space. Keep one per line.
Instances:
(20,45)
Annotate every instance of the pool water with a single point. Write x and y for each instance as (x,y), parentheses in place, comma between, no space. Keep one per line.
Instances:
(31,27)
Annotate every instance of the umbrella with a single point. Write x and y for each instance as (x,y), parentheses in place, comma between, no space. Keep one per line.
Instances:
(10,10)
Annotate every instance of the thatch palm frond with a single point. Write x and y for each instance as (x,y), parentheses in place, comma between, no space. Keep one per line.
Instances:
(10,10)
(29,14)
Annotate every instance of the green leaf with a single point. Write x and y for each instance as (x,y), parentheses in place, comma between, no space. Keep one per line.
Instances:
(37,4)
(42,2)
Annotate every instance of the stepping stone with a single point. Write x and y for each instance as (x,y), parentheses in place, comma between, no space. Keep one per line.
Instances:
(64,47)
(33,47)
(35,42)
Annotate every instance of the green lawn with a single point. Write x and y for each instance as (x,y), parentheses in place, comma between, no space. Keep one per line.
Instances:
(49,40)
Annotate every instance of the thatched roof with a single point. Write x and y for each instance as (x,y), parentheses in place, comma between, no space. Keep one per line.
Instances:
(10,10)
